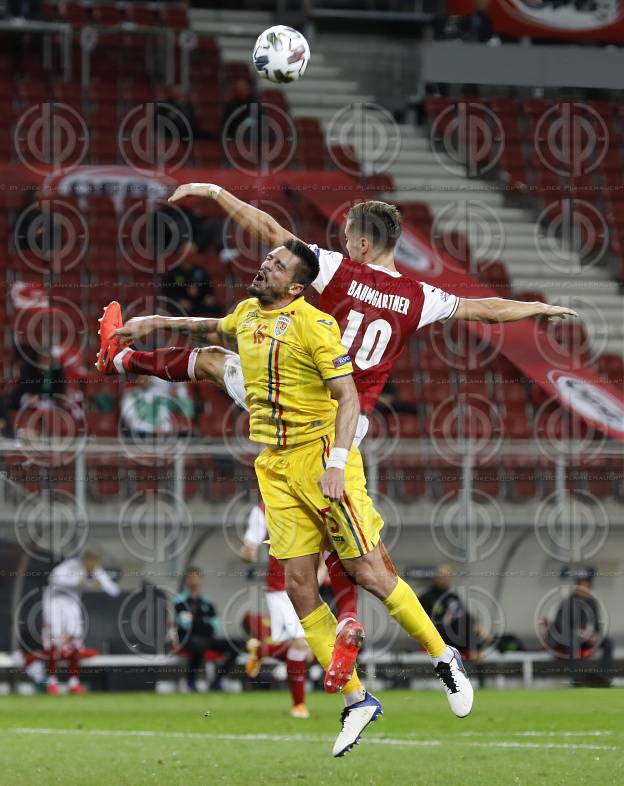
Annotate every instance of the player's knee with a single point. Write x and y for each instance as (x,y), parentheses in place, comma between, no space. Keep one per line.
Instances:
(209,364)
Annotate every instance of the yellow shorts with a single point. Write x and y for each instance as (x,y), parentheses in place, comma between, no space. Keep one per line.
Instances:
(299,516)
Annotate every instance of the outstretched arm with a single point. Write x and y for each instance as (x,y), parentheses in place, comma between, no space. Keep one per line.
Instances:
(203,329)
(251,219)
(498,309)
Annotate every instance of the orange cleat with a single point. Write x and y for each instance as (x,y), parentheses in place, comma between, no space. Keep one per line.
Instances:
(109,345)
(77,690)
(254,662)
(299,711)
(346,649)
(53,689)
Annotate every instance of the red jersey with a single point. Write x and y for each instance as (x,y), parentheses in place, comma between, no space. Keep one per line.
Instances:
(257,533)
(377,311)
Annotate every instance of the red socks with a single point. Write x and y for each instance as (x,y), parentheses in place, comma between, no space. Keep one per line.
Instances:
(174,364)
(73,663)
(270,650)
(296,671)
(51,657)
(343,588)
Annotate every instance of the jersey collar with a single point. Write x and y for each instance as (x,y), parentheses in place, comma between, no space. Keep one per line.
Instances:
(393,273)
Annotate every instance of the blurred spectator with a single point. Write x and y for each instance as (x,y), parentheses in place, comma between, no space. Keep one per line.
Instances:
(63,624)
(199,630)
(477,26)
(24,9)
(576,633)
(149,409)
(40,377)
(189,286)
(451,618)
(178,112)
(241,110)
(5,418)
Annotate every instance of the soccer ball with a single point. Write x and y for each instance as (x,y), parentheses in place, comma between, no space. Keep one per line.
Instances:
(281,54)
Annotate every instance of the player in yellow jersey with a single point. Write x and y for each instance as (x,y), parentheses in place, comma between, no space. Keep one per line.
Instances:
(304,407)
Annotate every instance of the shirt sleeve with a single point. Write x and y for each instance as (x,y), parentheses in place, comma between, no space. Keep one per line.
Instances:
(67,574)
(256,531)
(324,344)
(329,262)
(229,323)
(438,306)
(108,586)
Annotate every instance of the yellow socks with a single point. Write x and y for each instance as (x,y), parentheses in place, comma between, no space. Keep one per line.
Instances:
(404,606)
(320,632)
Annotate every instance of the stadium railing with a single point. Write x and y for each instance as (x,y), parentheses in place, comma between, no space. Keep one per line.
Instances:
(463,455)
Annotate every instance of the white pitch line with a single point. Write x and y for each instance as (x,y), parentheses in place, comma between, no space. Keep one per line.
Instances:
(391,741)
(594,733)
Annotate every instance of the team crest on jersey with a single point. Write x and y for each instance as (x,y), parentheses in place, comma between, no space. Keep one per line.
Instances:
(282,324)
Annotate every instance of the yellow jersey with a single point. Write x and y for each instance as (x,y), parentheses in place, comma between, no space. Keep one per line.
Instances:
(287,355)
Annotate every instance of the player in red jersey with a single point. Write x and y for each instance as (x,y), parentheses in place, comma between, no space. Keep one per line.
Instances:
(377,309)
(287,638)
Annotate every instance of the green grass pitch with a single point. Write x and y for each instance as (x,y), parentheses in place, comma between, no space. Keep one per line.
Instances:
(512,738)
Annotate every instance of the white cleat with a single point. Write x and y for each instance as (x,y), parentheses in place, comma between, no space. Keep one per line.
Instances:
(454,677)
(354,720)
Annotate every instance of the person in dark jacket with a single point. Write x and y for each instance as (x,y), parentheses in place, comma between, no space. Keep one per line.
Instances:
(40,378)
(450,615)
(576,633)
(189,286)
(199,629)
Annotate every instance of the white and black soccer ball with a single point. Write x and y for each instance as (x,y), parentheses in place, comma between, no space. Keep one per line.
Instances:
(281,54)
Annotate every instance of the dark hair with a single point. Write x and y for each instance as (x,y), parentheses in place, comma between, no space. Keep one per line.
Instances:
(308,268)
(378,221)
(193,570)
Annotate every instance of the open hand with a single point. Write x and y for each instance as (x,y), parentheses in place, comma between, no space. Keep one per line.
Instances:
(206,190)
(552,313)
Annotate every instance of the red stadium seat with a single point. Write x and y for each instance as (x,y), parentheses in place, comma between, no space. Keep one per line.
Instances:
(495,275)
(344,157)
(611,368)
(174,16)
